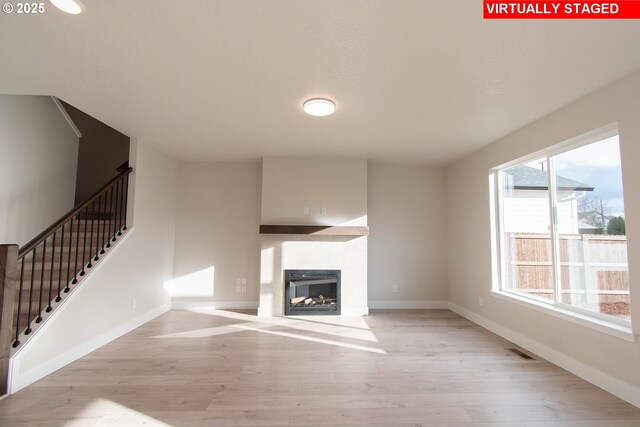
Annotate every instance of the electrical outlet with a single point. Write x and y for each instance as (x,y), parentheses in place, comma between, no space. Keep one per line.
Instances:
(323,211)
(480,302)
(134,303)
(305,211)
(395,288)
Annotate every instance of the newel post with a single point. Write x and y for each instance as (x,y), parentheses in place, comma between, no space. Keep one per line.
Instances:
(8,272)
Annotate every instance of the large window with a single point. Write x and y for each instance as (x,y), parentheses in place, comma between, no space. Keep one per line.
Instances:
(560,229)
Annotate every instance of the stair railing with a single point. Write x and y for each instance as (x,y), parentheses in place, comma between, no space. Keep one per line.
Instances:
(8,268)
(64,252)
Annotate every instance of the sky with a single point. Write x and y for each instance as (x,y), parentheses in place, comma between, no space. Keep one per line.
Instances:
(597,165)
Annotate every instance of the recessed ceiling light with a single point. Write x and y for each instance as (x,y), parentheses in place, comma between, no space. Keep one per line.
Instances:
(319,107)
(73,7)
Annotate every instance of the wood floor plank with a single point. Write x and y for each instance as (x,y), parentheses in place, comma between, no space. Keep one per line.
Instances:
(389,369)
(583,423)
(496,412)
(367,415)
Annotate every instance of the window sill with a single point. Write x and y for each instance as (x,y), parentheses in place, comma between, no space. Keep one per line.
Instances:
(610,328)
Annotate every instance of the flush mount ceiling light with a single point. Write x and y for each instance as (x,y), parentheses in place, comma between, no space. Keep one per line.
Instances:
(73,7)
(319,107)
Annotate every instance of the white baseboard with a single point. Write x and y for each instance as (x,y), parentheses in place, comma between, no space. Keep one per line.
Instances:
(408,305)
(20,380)
(214,305)
(596,377)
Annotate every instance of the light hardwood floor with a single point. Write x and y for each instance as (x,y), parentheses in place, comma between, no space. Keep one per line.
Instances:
(392,368)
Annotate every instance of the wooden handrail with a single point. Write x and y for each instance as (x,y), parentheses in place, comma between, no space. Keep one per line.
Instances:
(73,212)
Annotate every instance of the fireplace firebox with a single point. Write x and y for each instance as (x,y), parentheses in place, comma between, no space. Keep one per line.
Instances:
(312,292)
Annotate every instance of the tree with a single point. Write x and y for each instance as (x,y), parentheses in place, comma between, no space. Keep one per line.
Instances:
(594,211)
(616,226)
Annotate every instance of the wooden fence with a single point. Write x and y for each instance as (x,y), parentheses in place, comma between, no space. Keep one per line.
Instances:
(593,269)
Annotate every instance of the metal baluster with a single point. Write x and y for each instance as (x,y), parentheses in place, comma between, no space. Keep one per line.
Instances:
(75,268)
(17,341)
(66,288)
(104,222)
(84,241)
(93,211)
(126,198)
(121,205)
(115,219)
(58,298)
(110,214)
(97,257)
(44,256)
(53,256)
(33,268)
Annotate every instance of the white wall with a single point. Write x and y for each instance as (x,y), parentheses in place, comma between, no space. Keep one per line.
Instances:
(407,236)
(291,184)
(38,160)
(337,185)
(469,251)
(218,219)
(100,308)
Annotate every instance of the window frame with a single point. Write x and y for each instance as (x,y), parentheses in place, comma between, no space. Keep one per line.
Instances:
(620,327)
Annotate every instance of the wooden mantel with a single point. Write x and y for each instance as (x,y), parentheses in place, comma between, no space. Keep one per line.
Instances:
(316,230)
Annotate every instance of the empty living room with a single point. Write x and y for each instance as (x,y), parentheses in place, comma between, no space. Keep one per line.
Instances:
(320,213)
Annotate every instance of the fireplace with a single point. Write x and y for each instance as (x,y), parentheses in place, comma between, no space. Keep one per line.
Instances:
(311,292)
(334,254)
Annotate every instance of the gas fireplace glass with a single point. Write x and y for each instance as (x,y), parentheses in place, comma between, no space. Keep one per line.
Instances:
(312,292)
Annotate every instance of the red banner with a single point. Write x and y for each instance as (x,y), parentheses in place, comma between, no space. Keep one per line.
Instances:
(518,9)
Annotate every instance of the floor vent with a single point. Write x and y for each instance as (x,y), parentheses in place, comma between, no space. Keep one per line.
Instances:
(520,353)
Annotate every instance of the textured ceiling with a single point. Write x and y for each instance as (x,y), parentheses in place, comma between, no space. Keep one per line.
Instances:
(422,81)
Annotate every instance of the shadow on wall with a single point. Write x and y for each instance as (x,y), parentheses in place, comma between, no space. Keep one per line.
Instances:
(101,150)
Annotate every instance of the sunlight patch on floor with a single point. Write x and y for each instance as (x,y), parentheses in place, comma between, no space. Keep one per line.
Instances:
(246,327)
(115,414)
(345,327)
(271,325)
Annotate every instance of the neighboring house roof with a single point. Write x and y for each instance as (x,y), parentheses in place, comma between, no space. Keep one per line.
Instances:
(528,178)
(586,215)
(584,225)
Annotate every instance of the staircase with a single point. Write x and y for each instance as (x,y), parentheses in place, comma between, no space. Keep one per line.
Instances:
(57,260)
(54,271)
